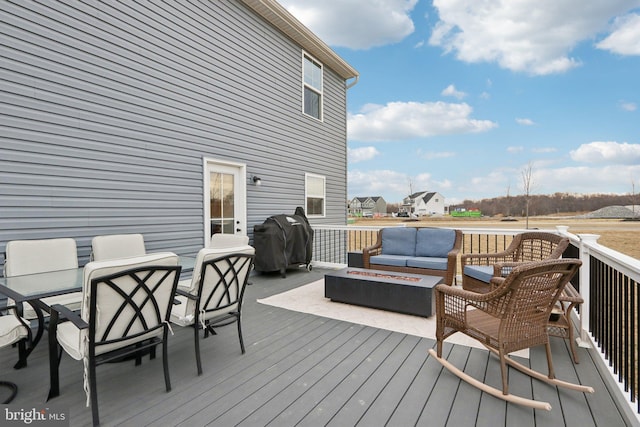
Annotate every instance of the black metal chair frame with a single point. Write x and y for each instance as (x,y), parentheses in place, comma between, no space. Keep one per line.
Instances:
(229,283)
(160,321)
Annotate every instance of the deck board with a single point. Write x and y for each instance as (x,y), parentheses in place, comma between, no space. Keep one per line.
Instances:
(301,369)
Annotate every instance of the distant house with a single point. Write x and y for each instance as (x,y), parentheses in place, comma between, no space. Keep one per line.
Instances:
(424,203)
(368,206)
(172,119)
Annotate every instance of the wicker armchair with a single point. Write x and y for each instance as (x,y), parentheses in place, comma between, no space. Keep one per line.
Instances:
(512,317)
(478,269)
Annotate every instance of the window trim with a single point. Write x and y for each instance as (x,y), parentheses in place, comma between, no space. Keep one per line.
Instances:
(307,195)
(320,91)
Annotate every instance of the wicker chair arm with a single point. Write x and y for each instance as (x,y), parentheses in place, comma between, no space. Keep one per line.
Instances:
(370,251)
(455,292)
(376,246)
(486,259)
(503,269)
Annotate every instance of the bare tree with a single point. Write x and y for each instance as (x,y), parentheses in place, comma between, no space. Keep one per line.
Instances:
(527,182)
(633,198)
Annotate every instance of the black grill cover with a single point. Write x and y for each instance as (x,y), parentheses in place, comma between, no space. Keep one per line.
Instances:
(282,241)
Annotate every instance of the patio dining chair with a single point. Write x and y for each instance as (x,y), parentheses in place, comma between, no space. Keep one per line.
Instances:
(39,256)
(213,296)
(478,269)
(12,329)
(125,310)
(511,317)
(113,246)
(222,241)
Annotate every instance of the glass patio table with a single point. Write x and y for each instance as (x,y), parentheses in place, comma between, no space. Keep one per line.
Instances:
(31,288)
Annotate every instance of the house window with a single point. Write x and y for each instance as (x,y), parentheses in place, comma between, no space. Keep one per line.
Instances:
(315,194)
(312,87)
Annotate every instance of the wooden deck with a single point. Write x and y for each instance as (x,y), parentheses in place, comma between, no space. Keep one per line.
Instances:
(305,370)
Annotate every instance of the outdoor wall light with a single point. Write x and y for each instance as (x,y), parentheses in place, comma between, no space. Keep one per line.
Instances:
(256,180)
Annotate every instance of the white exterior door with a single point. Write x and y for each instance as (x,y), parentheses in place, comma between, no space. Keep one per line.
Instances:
(225,198)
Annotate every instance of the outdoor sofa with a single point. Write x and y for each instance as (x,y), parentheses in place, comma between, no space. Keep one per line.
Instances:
(418,250)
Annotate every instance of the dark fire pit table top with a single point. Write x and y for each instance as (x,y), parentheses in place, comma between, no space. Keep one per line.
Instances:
(387,290)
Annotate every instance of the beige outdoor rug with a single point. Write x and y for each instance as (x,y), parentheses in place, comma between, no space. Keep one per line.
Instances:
(310,299)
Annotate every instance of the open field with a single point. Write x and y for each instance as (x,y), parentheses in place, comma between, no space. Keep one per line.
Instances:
(622,236)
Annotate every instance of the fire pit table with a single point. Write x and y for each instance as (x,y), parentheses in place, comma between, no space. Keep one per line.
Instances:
(386,290)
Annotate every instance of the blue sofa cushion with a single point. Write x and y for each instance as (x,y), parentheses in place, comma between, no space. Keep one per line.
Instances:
(395,260)
(479,272)
(399,241)
(432,263)
(434,242)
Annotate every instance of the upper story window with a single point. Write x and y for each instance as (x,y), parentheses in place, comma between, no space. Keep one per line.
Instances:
(312,87)
(315,194)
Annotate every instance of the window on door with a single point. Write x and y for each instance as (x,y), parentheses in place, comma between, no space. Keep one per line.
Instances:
(222,203)
(315,195)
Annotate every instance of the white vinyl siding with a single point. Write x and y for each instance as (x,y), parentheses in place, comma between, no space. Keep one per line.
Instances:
(109,108)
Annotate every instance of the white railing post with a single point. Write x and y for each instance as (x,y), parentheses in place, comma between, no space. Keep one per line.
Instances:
(585,286)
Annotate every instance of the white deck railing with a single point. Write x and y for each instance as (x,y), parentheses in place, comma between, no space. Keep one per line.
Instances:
(608,320)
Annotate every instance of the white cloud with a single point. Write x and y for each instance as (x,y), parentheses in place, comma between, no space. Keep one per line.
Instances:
(607,152)
(544,150)
(586,180)
(378,182)
(406,120)
(525,122)
(392,185)
(356,155)
(431,155)
(625,38)
(628,106)
(452,91)
(515,149)
(525,36)
(574,179)
(356,24)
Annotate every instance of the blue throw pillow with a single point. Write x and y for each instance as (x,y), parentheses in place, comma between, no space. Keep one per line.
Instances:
(434,242)
(399,241)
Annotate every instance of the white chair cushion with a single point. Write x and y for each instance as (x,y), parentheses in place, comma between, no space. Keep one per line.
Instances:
(72,301)
(70,337)
(39,256)
(228,241)
(183,314)
(117,246)
(207,254)
(11,330)
(184,285)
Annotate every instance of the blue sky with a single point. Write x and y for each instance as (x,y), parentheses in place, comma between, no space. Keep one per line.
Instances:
(463,96)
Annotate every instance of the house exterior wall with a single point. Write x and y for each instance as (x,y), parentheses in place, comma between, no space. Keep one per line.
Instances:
(435,205)
(380,206)
(108,109)
(367,206)
(416,203)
